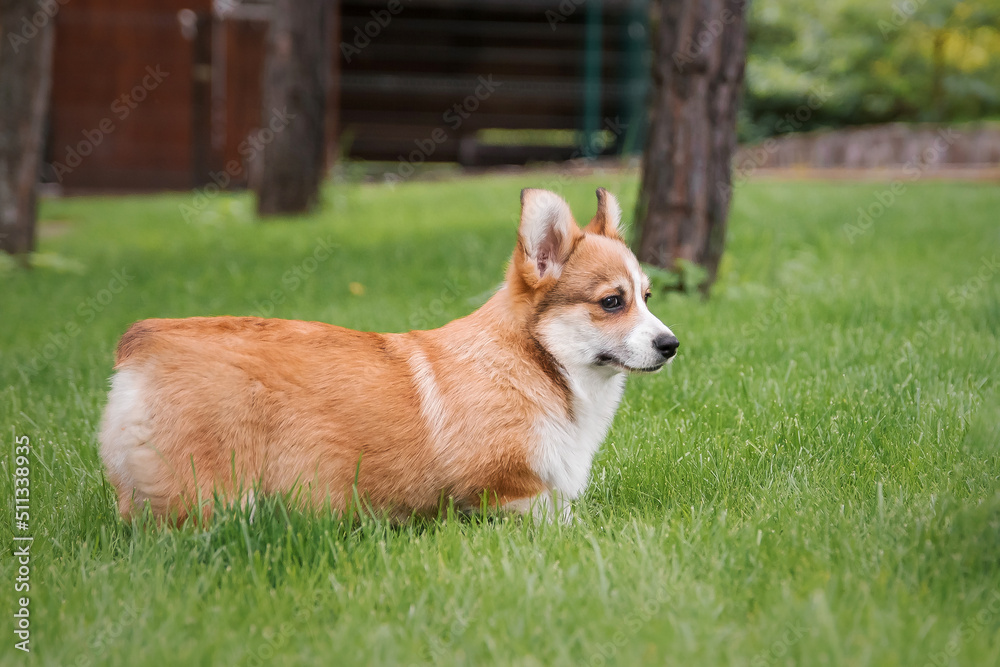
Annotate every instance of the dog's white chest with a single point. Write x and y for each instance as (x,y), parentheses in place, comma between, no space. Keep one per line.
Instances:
(566,447)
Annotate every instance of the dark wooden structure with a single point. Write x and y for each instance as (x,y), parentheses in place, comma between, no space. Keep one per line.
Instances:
(411,81)
(101,135)
(467,66)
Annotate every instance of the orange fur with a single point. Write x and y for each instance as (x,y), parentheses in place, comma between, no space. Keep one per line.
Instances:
(223,405)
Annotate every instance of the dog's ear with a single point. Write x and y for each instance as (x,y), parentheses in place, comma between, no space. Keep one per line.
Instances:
(546,236)
(608,218)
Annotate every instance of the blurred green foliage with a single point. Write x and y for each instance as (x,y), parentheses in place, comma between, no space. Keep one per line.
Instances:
(848,62)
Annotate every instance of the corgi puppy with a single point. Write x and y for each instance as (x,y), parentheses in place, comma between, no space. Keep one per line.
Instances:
(506,406)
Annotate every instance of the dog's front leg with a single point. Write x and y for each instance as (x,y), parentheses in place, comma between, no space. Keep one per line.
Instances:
(547,505)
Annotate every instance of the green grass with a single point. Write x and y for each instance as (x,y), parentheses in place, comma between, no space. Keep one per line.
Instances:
(815,480)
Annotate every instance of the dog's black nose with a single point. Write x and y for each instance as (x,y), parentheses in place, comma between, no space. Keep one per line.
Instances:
(666,344)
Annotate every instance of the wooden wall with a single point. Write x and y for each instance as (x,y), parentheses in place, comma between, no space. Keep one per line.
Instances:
(102,54)
(395,88)
(404,72)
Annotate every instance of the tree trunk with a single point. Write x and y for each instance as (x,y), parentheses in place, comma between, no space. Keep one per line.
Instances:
(294,107)
(25,82)
(686,183)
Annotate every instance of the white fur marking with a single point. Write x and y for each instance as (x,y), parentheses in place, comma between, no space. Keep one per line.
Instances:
(566,448)
(249,499)
(546,506)
(126,424)
(432,406)
(639,344)
(544,216)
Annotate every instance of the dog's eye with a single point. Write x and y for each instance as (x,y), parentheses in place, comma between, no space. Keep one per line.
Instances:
(611,302)
(645,297)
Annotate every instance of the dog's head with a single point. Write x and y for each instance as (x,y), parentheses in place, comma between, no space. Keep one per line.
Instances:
(585,288)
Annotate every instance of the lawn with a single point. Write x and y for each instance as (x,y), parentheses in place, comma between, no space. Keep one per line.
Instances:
(815,480)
